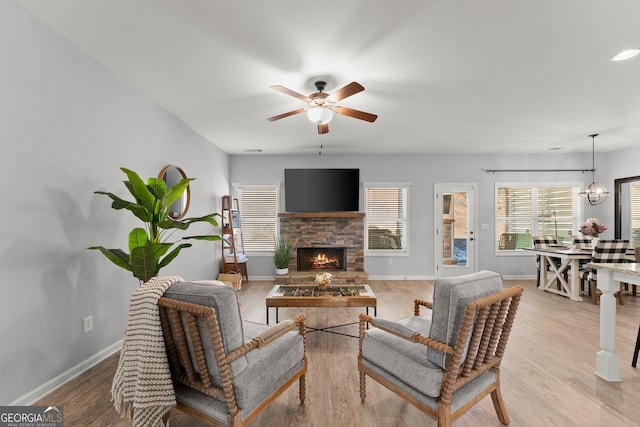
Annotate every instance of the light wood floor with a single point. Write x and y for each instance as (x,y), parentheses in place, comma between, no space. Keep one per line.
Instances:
(547,375)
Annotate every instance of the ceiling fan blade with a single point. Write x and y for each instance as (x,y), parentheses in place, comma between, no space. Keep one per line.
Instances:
(348,90)
(323,128)
(357,114)
(290,92)
(283,115)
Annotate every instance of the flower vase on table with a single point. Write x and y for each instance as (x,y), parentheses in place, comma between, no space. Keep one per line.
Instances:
(323,280)
(592,228)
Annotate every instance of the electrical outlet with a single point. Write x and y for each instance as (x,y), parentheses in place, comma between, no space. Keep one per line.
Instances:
(88,324)
(390,261)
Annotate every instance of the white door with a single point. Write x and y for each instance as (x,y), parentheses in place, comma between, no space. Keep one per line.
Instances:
(455,225)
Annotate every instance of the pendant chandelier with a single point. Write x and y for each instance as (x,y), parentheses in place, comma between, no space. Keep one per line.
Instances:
(595,193)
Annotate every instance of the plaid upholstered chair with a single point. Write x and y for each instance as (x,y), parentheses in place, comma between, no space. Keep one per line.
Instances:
(581,242)
(446,360)
(541,242)
(225,370)
(609,251)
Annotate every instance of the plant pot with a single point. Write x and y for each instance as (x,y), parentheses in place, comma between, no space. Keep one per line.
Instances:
(282,271)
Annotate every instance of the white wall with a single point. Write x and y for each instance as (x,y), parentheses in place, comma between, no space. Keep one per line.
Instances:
(66,126)
(423,171)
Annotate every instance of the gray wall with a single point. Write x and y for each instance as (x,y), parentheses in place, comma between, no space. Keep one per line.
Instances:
(423,171)
(67,125)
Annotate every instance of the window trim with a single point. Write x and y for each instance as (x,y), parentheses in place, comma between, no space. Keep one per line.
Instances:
(578,212)
(382,252)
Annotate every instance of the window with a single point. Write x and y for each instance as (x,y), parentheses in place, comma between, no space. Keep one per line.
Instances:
(386,218)
(524,210)
(258,206)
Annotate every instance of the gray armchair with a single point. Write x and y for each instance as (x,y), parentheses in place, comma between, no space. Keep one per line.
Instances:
(245,365)
(447,359)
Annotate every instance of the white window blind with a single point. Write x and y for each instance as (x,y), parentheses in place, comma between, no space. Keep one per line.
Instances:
(635,215)
(523,211)
(513,213)
(386,218)
(259,211)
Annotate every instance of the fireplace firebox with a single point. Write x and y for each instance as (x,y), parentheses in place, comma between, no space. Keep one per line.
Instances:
(317,258)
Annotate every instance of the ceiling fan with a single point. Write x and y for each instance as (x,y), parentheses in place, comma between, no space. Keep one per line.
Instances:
(322,105)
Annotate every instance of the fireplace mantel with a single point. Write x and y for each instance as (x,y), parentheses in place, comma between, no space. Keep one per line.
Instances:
(321,215)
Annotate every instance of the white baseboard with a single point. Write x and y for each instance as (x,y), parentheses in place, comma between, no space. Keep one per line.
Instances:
(416,277)
(521,277)
(431,277)
(48,387)
(264,278)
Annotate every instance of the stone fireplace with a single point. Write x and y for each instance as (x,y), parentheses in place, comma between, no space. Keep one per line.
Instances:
(339,233)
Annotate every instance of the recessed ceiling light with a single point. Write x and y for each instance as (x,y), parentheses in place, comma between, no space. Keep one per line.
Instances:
(626,54)
(555,148)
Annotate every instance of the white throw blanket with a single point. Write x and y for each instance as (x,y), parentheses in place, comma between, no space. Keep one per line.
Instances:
(142,388)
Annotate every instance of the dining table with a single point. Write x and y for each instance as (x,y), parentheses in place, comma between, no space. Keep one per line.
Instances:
(560,269)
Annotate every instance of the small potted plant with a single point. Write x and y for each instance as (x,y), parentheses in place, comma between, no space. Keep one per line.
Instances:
(282,254)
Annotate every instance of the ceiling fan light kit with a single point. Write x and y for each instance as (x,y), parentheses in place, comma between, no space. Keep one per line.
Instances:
(320,115)
(322,105)
(595,193)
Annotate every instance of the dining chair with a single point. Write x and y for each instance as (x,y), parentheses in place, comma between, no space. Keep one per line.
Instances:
(636,351)
(581,242)
(605,251)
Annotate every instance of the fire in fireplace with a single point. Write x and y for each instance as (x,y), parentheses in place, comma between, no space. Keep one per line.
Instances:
(310,259)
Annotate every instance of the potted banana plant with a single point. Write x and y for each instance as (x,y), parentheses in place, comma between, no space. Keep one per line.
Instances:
(149,247)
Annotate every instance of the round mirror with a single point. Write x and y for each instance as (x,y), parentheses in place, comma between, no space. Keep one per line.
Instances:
(171,174)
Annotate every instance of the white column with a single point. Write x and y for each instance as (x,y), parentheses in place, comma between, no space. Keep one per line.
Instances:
(607,363)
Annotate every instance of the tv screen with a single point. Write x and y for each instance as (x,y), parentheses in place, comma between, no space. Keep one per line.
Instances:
(321,190)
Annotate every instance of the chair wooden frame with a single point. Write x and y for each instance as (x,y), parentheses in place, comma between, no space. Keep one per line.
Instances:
(175,332)
(486,326)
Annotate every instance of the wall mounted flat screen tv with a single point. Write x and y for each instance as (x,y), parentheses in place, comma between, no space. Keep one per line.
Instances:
(322,190)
